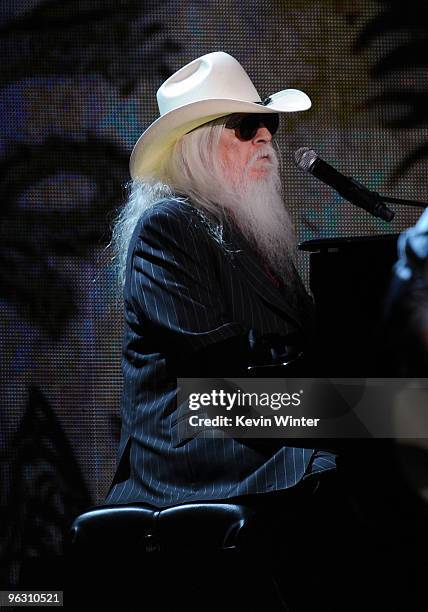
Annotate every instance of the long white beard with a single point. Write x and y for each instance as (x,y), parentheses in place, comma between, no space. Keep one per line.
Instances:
(258,210)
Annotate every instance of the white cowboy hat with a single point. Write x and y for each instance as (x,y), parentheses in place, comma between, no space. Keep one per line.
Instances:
(207,88)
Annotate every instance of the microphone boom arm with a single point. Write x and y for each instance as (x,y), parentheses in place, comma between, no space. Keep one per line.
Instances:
(405,202)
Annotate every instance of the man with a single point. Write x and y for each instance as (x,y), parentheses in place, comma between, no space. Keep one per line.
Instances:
(405,333)
(205,252)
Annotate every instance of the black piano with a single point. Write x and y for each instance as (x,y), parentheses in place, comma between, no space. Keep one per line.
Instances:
(349,280)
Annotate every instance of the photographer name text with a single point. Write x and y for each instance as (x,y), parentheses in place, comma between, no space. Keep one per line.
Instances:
(259,421)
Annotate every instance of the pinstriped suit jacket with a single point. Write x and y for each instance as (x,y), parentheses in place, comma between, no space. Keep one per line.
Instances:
(184,293)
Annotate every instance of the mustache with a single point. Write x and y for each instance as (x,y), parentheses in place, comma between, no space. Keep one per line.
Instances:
(266,151)
(238,175)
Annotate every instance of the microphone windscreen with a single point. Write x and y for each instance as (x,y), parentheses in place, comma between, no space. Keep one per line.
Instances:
(304,158)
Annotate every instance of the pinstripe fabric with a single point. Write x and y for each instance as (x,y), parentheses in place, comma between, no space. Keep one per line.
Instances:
(183,293)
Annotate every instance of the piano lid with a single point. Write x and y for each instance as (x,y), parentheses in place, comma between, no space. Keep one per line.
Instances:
(340,242)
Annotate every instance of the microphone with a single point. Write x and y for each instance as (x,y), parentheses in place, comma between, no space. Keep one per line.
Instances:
(350,189)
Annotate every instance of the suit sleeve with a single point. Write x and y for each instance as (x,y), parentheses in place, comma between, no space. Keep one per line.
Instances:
(174,287)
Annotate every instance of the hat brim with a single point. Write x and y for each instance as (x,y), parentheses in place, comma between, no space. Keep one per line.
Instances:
(165,131)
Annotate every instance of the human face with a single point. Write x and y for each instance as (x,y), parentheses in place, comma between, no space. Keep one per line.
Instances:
(246,158)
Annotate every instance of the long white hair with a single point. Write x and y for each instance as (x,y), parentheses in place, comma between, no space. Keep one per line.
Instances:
(187,172)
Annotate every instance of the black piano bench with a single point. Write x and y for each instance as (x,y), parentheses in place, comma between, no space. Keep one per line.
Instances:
(197,556)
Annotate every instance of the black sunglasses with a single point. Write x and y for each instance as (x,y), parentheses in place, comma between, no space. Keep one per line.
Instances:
(247,124)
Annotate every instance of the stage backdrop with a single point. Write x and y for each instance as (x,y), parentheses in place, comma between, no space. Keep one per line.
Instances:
(77,87)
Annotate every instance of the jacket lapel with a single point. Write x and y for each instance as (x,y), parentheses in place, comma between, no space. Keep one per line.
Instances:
(244,257)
